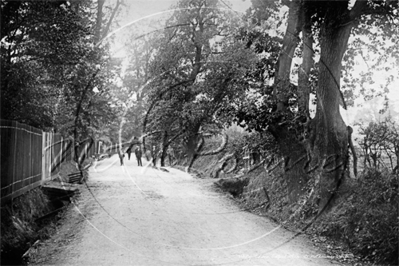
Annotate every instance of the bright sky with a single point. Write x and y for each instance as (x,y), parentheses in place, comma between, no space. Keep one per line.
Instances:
(139,15)
(142,8)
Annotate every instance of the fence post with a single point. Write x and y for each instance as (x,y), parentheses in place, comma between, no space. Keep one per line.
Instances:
(46,162)
(44,155)
(62,150)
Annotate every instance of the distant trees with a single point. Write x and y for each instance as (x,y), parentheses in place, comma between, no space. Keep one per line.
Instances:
(380,144)
(197,71)
(137,78)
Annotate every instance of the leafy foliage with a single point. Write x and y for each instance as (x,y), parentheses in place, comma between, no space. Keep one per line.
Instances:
(365,53)
(39,39)
(380,141)
(50,71)
(196,72)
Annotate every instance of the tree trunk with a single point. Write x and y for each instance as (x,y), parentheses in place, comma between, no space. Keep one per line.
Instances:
(282,84)
(323,152)
(99,20)
(289,145)
(295,161)
(106,30)
(192,159)
(192,143)
(165,145)
(330,141)
(307,63)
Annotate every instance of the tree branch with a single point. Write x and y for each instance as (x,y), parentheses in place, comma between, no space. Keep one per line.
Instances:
(105,32)
(358,9)
(79,107)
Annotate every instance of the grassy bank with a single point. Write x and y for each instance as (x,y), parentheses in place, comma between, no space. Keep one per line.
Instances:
(363,219)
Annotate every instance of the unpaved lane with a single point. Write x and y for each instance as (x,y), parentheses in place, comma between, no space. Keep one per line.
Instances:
(141,216)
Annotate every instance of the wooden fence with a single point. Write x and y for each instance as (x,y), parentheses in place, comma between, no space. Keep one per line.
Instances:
(56,150)
(30,156)
(21,158)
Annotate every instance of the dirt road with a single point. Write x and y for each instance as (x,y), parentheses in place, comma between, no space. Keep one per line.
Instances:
(142,216)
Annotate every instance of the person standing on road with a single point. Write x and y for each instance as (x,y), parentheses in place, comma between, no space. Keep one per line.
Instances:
(138,156)
(154,155)
(121,155)
(129,151)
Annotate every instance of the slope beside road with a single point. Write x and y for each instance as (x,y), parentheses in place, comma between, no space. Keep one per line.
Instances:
(130,215)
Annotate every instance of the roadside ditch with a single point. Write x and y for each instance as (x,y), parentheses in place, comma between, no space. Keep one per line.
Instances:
(34,216)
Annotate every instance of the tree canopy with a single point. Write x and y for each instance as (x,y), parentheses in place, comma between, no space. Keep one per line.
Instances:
(196,71)
(51,62)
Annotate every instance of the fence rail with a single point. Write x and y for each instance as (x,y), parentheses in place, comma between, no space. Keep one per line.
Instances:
(30,156)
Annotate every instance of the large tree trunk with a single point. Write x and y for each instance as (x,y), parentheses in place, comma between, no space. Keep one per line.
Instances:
(292,150)
(295,160)
(330,138)
(322,153)
(282,84)
(307,62)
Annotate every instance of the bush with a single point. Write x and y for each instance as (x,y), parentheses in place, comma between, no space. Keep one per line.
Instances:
(235,186)
(368,219)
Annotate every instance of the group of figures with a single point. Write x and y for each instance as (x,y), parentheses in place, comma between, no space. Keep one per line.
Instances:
(150,154)
(137,152)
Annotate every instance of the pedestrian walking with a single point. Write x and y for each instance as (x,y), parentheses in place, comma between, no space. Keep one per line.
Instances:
(129,151)
(154,155)
(138,156)
(121,155)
